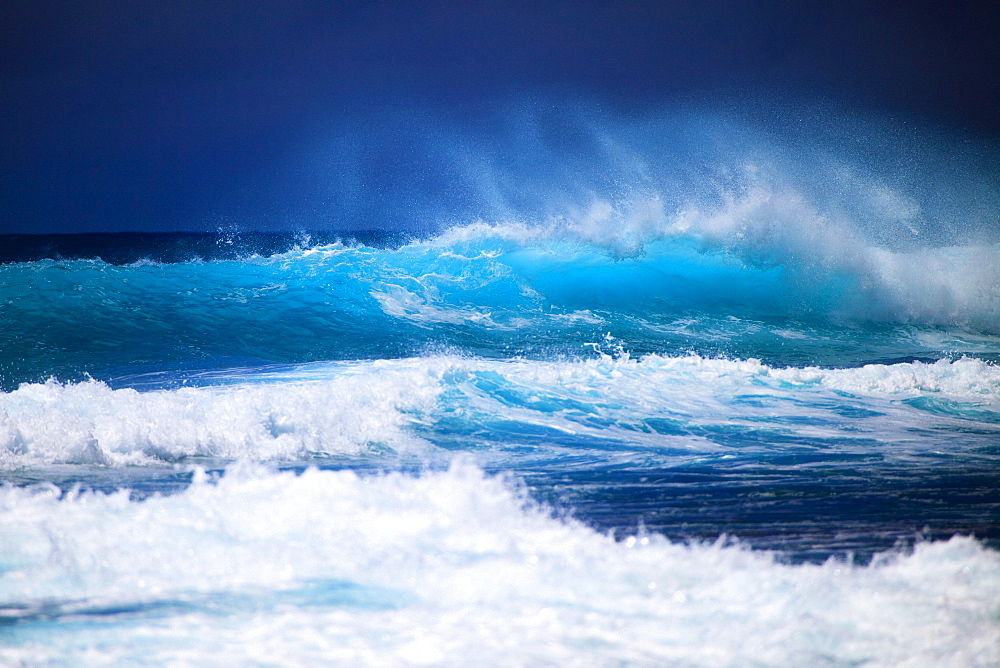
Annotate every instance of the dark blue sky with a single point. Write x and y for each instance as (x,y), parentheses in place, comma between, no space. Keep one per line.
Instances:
(164,116)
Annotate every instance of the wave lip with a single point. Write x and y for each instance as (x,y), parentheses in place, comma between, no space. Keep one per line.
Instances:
(750,249)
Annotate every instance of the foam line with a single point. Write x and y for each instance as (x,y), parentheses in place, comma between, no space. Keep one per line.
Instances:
(431,568)
(347,409)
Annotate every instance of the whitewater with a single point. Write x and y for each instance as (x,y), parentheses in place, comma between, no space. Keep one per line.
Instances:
(663,400)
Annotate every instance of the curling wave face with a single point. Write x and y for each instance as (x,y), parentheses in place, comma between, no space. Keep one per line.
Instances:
(835,242)
(499,291)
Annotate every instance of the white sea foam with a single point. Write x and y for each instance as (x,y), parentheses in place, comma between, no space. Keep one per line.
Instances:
(436,569)
(962,379)
(90,423)
(357,408)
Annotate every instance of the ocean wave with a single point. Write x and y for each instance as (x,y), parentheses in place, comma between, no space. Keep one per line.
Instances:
(769,240)
(501,291)
(614,409)
(437,567)
(89,423)
(834,240)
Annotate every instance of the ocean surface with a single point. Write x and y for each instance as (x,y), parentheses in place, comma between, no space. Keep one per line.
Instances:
(761,429)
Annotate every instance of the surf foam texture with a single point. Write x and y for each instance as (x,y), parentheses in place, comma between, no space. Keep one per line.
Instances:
(333,566)
(619,407)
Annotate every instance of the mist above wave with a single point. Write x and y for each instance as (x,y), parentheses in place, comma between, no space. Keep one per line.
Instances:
(904,213)
(528,158)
